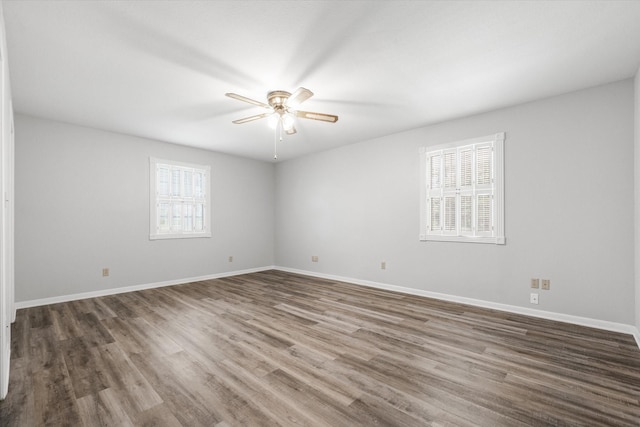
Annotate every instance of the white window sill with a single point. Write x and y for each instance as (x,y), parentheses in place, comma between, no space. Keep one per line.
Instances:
(463,239)
(178,236)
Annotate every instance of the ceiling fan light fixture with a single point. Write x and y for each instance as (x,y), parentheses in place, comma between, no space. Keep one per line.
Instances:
(285,119)
(287,122)
(273,120)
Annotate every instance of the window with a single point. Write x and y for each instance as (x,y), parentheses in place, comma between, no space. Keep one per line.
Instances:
(462,191)
(180,201)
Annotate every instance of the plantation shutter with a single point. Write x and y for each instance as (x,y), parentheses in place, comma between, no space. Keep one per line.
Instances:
(449,196)
(466,167)
(435,163)
(450,167)
(484,213)
(465,190)
(434,192)
(435,212)
(466,214)
(459,196)
(450,214)
(483,165)
(484,189)
(179,203)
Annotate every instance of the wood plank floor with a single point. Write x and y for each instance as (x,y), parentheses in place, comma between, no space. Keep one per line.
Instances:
(274,348)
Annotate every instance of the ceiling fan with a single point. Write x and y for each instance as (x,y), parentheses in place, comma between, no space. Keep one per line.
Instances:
(282,106)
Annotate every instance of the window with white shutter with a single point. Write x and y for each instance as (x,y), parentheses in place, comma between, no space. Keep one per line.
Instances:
(179,200)
(462,191)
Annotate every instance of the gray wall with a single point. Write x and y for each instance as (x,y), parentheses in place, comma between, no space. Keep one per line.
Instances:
(82,203)
(569,209)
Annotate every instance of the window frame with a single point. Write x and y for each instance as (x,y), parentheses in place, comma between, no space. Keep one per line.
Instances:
(172,198)
(495,189)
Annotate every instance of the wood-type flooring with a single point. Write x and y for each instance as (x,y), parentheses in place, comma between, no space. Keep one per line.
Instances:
(275,348)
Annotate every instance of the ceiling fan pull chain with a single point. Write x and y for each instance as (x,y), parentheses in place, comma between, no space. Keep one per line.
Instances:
(275,139)
(275,144)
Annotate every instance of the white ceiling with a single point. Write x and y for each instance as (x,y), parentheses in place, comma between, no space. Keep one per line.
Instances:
(160,69)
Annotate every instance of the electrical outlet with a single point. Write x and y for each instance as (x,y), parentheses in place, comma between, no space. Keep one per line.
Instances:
(383,265)
(535,283)
(314,258)
(546,284)
(105,272)
(533,299)
(231,258)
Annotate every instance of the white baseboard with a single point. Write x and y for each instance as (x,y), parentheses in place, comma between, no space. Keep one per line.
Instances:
(549,315)
(4,375)
(584,321)
(113,291)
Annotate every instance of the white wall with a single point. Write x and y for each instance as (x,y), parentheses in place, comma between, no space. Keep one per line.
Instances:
(637,197)
(569,209)
(7,312)
(83,204)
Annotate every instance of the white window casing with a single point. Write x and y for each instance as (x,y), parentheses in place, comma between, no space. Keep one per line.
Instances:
(180,200)
(462,191)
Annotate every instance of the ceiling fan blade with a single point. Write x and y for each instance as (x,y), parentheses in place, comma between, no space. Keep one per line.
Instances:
(291,131)
(299,96)
(245,99)
(252,118)
(317,116)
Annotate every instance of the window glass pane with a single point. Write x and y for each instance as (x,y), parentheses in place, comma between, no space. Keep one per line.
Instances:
(435,213)
(188,183)
(466,213)
(484,213)
(163,180)
(466,163)
(187,212)
(175,182)
(199,217)
(176,216)
(450,170)
(163,216)
(450,213)
(483,165)
(435,171)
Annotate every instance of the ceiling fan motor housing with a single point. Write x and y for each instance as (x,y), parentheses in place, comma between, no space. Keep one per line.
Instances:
(277,99)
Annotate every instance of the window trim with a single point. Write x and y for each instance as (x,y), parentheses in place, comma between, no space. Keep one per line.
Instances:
(498,237)
(153,201)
